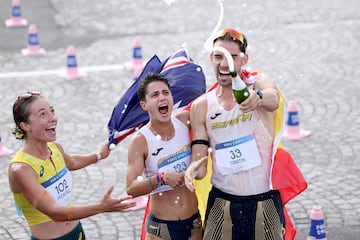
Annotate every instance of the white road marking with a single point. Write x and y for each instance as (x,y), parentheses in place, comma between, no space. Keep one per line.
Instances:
(100,68)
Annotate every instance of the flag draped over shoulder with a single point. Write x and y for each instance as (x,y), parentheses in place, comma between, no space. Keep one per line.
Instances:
(187,81)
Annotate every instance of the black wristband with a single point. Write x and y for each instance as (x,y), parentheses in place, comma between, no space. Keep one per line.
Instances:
(260,94)
(200,141)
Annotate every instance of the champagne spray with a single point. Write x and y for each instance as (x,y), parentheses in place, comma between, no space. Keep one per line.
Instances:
(241,92)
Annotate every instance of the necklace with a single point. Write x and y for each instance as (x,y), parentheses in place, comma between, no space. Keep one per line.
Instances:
(162,137)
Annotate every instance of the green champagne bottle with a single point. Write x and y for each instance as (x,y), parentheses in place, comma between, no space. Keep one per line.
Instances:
(241,92)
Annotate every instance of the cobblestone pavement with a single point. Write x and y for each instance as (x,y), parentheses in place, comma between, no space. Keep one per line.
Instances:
(310,48)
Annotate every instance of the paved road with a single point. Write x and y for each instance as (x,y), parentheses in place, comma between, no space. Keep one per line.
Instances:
(310,48)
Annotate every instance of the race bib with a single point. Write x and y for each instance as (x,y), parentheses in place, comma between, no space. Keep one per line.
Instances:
(238,155)
(178,162)
(60,186)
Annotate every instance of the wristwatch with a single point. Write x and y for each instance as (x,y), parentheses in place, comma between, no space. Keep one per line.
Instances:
(258,92)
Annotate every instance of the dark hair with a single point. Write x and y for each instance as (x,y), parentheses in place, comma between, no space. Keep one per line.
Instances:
(21,113)
(150,77)
(228,37)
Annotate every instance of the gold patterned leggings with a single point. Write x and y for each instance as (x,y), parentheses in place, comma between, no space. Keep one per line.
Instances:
(256,217)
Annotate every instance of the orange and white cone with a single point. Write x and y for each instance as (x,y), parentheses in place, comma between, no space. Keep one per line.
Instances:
(317,225)
(293,131)
(33,48)
(16,19)
(3,150)
(137,64)
(71,72)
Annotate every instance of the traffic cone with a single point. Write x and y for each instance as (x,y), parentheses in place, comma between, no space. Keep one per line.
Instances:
(16,19)
(33,48)
(137,63)
(3,150)
(71,72)
(317,224)
(140,201)
(293,131)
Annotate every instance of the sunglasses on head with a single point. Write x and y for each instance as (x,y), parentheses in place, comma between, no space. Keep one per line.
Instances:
(233,33)
(26,95)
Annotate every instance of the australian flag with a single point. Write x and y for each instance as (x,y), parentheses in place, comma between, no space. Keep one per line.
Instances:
(187,81)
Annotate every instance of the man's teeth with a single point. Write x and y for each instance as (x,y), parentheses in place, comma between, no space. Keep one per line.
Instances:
(224,72)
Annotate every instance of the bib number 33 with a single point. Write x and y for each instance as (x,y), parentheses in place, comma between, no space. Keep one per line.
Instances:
(237,155)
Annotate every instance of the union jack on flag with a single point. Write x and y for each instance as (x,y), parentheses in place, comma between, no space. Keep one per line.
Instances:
(179,58)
